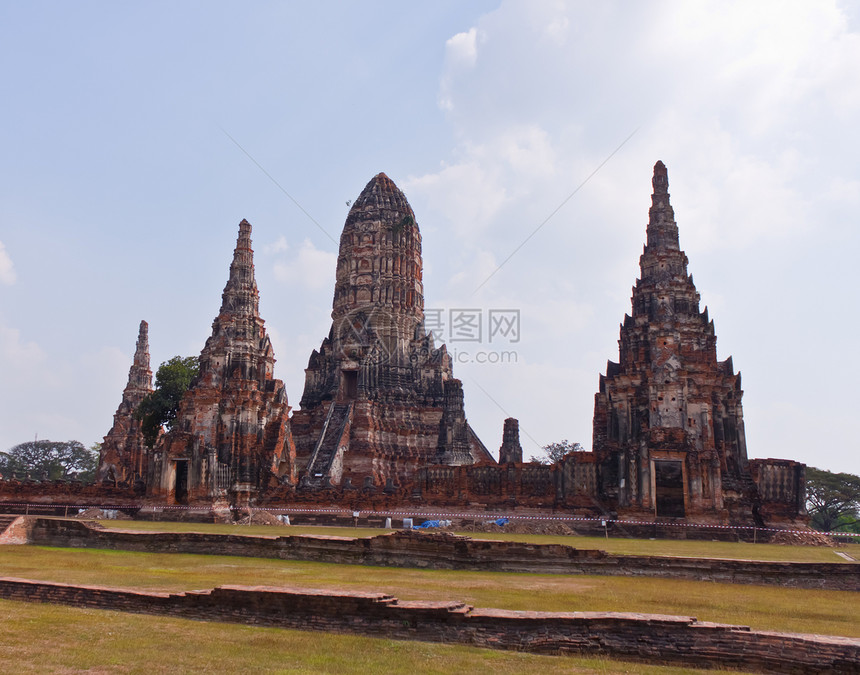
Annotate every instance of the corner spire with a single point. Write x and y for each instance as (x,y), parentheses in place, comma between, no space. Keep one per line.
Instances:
(662,229)
(240,296)
(123,454)
(142,347)
(660,181)
(140,373)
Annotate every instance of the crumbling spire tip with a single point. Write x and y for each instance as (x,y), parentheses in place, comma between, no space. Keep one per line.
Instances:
(660,181)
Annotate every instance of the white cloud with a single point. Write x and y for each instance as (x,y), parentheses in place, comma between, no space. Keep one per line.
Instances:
(278,246)
(466,279)
(730,198)
(461,52)
(17,355)
(468,194)
(557,29)
(7,269)
(462,49)
(740,92)
(472,191)
(528,151)
(767,62)
(309,267)
(845,191)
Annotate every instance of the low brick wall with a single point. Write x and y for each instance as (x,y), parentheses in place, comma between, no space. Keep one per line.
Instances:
(644,637)
(446,551)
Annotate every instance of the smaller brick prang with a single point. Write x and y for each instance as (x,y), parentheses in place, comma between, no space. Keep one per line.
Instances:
(511,451)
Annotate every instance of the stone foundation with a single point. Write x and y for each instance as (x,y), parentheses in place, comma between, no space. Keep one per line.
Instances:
(447,551)
(642,637)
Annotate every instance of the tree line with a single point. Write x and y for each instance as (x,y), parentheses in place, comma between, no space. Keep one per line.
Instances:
(50,460)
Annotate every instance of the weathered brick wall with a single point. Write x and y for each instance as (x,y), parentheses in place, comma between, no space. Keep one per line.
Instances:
(66,492)
(445,551)
(570,487)
(781,485)
(570,484)
(644,637)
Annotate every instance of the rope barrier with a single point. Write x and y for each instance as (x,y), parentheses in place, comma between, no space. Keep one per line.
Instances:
(423,514)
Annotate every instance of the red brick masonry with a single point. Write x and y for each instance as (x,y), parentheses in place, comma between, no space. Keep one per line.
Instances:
(645,637)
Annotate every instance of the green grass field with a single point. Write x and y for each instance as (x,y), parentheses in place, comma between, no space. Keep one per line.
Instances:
(685,548)
(55,639)
(61,640)
(761,607)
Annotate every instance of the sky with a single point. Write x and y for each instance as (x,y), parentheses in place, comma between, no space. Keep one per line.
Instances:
(134,137)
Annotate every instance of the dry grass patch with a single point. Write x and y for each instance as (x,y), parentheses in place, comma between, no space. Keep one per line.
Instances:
(58,640)
(689,548)
(662,547)
(761,607)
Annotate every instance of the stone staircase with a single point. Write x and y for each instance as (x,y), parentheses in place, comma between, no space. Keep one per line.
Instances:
(326,448)
(8,535)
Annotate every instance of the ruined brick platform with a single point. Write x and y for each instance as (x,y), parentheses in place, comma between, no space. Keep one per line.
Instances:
(446,551)
(641,637)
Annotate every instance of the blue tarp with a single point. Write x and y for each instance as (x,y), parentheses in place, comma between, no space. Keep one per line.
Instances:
(501,522)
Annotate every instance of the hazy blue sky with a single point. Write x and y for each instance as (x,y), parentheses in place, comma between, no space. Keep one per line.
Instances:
(121,190)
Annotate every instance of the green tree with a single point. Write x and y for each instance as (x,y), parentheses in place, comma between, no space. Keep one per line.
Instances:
(555,452)
(50,460)
(832,499)
(159,408)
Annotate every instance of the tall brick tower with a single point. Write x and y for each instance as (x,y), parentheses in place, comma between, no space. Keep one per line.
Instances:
(378,283)
(124,453)
(380,398)
(668,421)
(231,437)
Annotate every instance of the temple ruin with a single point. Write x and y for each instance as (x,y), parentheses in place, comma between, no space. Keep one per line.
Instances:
(124,454)
(382,417)
(231,438)
(668,423)
(668,420)
(380,398)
